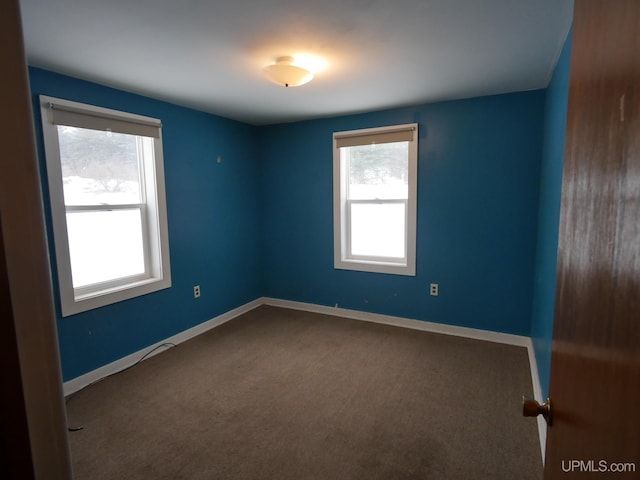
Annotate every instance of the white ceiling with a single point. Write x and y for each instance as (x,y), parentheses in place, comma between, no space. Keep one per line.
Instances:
(377,54)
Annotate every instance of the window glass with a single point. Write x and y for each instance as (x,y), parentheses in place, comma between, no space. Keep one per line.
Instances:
(105,245)
(99,167)
(378,229)
(378,171)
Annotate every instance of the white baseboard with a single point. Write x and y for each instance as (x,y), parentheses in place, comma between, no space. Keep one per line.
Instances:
(82,381)
(477,334)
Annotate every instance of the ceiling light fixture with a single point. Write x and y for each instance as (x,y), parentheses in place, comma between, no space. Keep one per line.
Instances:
(284,73)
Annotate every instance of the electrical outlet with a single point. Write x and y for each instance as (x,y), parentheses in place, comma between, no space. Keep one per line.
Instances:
(433,289)
(196,291)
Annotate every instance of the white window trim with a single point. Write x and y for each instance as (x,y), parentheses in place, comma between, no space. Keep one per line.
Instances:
(342,256)
(157,236)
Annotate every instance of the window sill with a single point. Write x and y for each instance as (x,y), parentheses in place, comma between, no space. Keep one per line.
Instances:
(376,267)
(115,289)
(101,298)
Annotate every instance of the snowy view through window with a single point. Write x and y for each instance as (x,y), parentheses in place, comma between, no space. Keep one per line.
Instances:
(377,198)
(104,196)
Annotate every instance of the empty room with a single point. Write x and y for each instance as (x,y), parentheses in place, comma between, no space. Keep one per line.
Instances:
(345,239)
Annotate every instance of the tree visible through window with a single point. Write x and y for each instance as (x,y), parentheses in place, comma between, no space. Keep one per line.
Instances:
(377,193)
(99,170)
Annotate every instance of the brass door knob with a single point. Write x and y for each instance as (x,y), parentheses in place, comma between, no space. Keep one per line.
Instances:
(531,408)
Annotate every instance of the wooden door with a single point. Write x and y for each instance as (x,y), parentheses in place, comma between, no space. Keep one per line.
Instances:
(33,429)
(595,370)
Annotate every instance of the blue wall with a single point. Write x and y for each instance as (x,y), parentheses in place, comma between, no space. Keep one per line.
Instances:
(478,188)
(261,222)
(542,311)
(213,227)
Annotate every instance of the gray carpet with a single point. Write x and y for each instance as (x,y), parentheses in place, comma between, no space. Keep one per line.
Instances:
(283,394)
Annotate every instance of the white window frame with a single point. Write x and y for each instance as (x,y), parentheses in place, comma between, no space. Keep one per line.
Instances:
(343,258)
(157,275)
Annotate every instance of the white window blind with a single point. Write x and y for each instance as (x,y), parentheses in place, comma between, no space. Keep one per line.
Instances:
(61,114)
(352,139)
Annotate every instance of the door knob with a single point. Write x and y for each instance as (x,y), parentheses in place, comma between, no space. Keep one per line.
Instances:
(531,408)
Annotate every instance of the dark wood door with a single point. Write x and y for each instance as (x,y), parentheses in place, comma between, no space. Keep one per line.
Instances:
(595,372)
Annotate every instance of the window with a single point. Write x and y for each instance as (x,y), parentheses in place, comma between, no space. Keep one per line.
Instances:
(106,186)
(375,177)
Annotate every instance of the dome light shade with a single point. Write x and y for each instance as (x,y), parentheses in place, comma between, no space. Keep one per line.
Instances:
(284,73)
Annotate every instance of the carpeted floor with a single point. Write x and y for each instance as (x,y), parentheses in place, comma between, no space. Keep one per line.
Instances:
(283,394)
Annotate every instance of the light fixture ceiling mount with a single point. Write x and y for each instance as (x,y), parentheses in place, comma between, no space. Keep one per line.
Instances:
(285,73)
